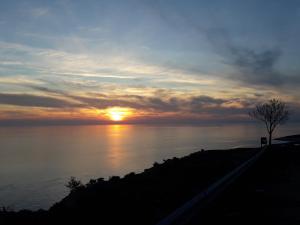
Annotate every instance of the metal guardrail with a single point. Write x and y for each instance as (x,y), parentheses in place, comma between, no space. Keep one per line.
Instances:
(216,188)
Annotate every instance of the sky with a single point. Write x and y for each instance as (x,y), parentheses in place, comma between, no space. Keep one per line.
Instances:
(146,61)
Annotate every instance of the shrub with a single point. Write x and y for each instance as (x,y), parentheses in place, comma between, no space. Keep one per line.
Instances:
(74,184)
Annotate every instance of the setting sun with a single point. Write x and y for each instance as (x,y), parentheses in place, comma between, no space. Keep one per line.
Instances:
(116,116)
(118,113)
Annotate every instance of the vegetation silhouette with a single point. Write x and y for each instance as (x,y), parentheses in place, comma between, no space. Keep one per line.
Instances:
(74,184)
(272,113)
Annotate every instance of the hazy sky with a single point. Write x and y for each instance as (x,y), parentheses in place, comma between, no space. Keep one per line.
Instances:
(156,60)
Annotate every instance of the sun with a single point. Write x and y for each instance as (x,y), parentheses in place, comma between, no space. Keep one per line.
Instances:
(116,116)
(118,113)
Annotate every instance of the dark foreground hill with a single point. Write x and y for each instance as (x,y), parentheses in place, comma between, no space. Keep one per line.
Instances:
(268,193)
(143,198)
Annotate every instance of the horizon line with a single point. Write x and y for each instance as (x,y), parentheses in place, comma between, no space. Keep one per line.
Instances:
(27,123)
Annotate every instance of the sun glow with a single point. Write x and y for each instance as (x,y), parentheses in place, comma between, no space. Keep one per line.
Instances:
(118,114)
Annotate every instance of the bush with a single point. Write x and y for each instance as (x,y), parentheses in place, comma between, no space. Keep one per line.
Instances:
(114,178)
(74,184)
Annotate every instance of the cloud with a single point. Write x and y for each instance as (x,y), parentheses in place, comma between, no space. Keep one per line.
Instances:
(34,101)
(39,12)
(160,102)
(250,62)
(205,101)
(46,90)
(251,65)
(168,103)
(19,80)
(163,105)
(257,67)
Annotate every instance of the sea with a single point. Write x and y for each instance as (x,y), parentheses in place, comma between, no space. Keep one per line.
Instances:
(37,162)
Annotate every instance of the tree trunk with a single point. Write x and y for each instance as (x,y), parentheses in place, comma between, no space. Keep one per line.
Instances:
(270,138)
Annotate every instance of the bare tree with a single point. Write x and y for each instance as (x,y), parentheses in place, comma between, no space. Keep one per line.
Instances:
(272,113)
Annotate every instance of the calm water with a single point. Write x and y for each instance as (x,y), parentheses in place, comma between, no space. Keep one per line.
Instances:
(36,162)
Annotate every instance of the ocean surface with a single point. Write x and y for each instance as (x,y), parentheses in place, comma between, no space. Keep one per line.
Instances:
(37,162)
